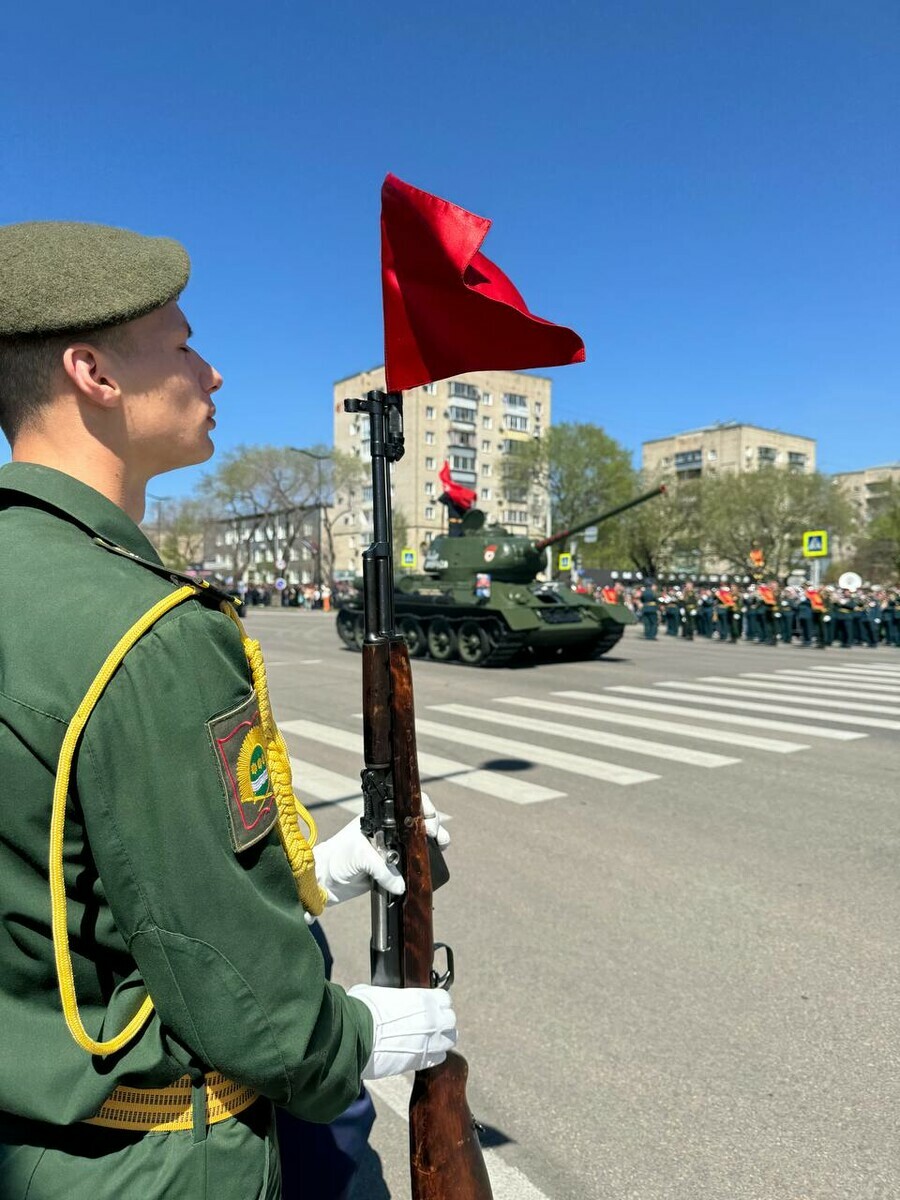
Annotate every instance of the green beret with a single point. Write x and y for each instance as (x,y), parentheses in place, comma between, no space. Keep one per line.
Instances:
(61,275)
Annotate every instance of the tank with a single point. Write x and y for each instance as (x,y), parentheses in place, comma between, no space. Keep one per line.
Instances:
(478,600)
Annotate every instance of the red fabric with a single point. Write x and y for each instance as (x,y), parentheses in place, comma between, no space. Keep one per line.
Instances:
(447,308)
(459,495)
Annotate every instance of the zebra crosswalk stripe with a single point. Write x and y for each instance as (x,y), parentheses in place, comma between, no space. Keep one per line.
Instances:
(890,692)
(724,736)
(594,737)
(879,681)
(560,760)
(889,672)
(687,690)
(801,686)
(434,768)
(326,786)
(760,691)
(745,721)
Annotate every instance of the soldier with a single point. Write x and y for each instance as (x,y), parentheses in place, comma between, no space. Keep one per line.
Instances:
(649,602)
(726,613)
(768,608)
(161,988)
(787,608)
(820,606)
(844,613)
(688,611)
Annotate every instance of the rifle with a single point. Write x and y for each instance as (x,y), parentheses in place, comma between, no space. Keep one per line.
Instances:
(445,1156)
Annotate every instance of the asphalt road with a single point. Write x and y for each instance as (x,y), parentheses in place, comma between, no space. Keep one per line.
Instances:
(677,969)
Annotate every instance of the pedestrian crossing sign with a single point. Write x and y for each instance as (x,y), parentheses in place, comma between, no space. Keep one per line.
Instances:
(408,558)
(815,543)
(565,562)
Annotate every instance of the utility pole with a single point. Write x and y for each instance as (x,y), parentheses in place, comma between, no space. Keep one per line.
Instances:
(318,459)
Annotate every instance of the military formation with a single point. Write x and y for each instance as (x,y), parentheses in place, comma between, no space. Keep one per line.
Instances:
(770,614)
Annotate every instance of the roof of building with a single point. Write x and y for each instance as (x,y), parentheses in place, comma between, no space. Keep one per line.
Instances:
(720,425)
(380,367)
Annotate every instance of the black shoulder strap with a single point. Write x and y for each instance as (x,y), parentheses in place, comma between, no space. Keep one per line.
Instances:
(207,589)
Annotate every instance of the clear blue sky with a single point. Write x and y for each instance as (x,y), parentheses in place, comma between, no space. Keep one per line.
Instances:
(708,191)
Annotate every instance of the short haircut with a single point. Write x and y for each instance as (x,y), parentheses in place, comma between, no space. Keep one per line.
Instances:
(30,364)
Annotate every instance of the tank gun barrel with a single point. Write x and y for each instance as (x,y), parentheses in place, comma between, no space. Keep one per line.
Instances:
(606,516)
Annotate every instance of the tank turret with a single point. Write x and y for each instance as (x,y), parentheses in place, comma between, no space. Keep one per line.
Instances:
(507,557)
(478,599)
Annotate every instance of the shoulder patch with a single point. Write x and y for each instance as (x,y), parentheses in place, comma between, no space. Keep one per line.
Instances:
(240,749)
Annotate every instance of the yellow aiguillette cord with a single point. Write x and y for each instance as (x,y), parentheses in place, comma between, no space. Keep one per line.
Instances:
(61,951)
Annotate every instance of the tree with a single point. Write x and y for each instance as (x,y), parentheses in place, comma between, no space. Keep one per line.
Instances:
(585,471)
(772,508)
(878,553)
(263,493)
(184,533)
(655,534)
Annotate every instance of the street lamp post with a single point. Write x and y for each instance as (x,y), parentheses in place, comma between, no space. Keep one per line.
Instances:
(318,459)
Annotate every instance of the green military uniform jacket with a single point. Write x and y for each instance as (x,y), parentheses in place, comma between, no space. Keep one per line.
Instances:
(162,893)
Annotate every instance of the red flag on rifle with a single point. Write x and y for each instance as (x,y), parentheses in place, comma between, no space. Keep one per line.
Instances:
(447,308)
(462,498)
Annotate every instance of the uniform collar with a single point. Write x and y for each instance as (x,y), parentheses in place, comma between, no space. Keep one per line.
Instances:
(79,503)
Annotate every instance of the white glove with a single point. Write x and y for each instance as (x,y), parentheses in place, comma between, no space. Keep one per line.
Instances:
(414,1028)
(347,863)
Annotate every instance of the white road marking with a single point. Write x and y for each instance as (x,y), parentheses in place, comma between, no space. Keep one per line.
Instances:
(754,690)
(321,784)
(434,768)
(725,736)
(746,721)
(889,672)
(876,679)
(802,684)
(840,681)
(594,737)
(507,1182)
(686,695)
(593,768)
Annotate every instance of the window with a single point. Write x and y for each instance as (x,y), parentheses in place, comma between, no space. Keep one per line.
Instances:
(506,445)
(455,413)
(514,400)
(429,412)
(515,516)
(465,390)
(429,512)
(797,462)
(460,461)
(766,454)
(519,424)
(429,438)
(711,456)
(487,422)
(485,493)
(485,469)
(429,464)
(537,408)
(367,493)
(487,398)
(688,459)
(429,488)
(486,446)
(430,389)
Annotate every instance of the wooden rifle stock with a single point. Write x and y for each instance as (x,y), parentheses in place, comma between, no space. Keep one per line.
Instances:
(445,1156)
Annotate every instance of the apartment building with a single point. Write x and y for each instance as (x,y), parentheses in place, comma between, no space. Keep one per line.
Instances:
(865,488)
(727,447)
(471,422)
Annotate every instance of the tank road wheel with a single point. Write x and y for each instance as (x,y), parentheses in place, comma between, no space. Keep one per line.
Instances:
(474,644)
(350,629)
(413,634)
(441,640)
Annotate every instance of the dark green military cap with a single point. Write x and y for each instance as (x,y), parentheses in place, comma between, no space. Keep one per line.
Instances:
(61,275)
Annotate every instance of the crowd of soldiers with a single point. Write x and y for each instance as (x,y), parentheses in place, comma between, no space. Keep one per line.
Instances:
(769,613)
